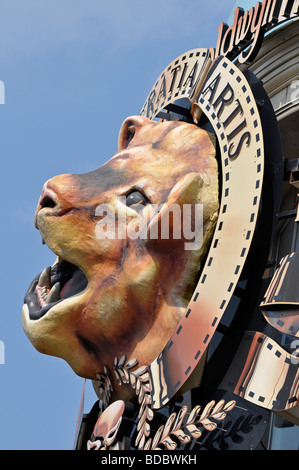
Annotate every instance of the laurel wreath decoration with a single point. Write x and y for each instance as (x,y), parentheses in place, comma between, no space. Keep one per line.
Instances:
(181,427)
(184,432)
(103,383)
(141,382)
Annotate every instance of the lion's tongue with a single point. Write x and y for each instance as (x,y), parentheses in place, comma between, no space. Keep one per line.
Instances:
(65,291)
(76,284)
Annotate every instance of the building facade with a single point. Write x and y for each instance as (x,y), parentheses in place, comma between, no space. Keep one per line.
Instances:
(277,66)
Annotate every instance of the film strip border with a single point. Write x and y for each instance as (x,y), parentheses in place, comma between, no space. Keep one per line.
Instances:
(177,81)
(264,373)
(273,293)
(280,305)
(241,191)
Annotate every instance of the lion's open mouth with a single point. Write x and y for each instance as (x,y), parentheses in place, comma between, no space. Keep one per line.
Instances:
(55,284)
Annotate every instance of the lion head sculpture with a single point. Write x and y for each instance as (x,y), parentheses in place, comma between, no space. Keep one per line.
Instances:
(109,296)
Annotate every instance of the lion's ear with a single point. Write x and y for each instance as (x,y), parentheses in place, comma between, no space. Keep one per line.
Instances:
(180,219)
(129,129)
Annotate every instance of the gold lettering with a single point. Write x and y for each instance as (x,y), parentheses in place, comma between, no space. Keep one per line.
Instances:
(295,9)
(243,29)
(228,41)
(285,9)
(274,14)
(249,28)
(258,33)
(212,53)
(221,32)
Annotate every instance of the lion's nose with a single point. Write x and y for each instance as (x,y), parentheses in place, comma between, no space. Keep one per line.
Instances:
(48,199)
(53,199)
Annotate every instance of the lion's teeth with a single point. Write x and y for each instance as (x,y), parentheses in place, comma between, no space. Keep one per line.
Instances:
(54,294)
(44,279)
(43,289)
(43,293)
(55,262)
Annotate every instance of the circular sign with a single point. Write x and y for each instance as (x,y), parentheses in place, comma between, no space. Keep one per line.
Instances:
(222,93)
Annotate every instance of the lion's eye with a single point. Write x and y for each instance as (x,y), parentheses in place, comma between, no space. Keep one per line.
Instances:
(136,200)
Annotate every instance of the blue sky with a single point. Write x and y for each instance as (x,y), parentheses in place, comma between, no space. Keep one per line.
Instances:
(73,71)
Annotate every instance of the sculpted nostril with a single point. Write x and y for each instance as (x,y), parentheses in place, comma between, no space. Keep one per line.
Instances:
(47,201)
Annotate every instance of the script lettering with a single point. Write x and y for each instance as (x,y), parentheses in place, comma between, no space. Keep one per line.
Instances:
(248,29)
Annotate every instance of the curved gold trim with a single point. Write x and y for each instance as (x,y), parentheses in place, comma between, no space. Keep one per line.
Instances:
(237,124)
